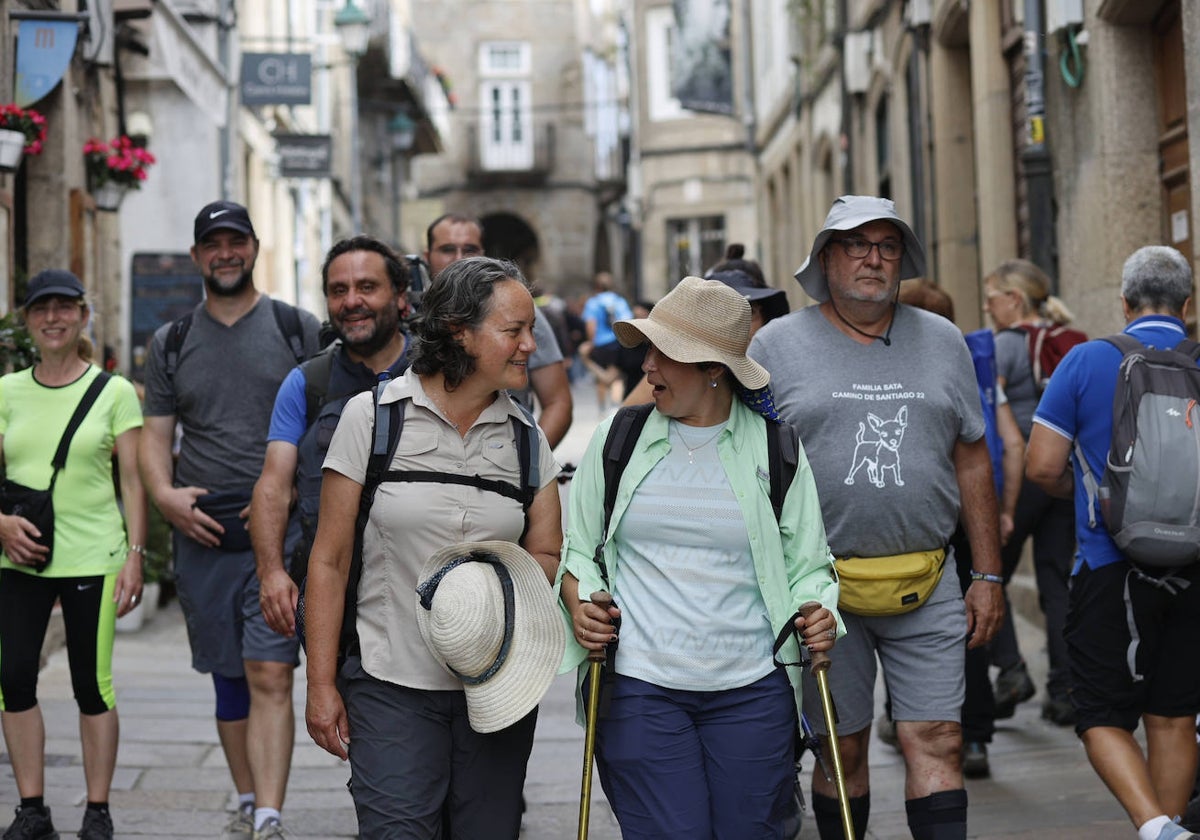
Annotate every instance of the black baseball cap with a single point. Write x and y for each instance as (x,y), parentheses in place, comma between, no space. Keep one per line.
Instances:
(222,214)
(53,281)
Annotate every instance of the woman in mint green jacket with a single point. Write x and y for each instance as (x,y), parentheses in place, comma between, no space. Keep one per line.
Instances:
(697,736)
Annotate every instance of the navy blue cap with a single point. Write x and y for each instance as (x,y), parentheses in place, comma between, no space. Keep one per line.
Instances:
(53,281)
(222,214)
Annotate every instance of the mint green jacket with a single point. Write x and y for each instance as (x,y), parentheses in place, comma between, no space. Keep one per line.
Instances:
(791,558)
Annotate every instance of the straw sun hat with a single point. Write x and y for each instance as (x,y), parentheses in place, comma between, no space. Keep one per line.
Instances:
(488,615)
(700,321)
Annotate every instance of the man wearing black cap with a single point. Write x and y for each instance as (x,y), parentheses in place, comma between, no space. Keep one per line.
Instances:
(885,400)
(216,373)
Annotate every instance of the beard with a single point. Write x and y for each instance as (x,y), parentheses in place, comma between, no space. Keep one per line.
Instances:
(387,322)
(214,287)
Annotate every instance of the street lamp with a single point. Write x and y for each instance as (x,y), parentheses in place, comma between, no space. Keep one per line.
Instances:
(354,27)
(403,133)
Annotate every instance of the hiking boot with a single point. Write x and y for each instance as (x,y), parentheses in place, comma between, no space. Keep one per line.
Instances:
(271,830)
(31,824)
(886,729)
(241,825)
(97,825)
(1013,686)
(1058,710)
(975,760)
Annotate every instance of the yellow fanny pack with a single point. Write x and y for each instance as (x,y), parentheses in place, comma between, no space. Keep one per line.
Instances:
(888,585)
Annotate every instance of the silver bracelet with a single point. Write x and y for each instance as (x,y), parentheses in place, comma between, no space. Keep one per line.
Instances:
(140,549)
(989,578)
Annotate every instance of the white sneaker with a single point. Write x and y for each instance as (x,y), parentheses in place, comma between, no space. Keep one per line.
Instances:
(241,824)
(271,830)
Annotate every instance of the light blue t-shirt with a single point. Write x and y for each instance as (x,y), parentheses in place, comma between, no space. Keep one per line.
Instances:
(693,616)
(605,309)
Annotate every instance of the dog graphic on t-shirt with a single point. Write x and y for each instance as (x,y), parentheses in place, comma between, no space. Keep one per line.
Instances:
(883,452)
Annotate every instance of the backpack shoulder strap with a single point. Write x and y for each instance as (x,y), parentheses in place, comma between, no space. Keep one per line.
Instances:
(782,461)
(1189,348)
(287,317)
(1124,342)
(317,372)
(174,343)
(618,447)
(529,454)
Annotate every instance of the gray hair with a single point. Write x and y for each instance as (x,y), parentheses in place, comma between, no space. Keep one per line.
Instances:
(1156,278)
(460,296)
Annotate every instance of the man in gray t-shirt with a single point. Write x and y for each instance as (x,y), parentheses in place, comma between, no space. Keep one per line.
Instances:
(217,381)
(886,404)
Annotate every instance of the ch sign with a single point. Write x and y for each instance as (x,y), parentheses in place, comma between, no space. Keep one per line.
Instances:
(276,79)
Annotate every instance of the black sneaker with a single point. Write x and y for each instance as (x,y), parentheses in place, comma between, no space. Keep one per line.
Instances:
(1059,711)
(1013,686)
(32,824)
(975,760)
(97,825)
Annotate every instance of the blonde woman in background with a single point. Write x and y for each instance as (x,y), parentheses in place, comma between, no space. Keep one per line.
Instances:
(1017,294)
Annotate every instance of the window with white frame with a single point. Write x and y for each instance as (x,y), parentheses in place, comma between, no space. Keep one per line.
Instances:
(694,244)
(505,105)
(660,30)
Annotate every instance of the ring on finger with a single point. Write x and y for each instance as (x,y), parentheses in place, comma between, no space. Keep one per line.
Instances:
(831,633)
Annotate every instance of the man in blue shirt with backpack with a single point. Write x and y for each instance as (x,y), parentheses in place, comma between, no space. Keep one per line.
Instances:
(1133,621)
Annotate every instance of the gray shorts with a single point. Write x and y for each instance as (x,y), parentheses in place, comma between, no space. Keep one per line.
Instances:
(218,592)
(923,656)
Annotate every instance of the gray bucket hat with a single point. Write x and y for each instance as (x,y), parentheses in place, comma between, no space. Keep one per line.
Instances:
(847,213)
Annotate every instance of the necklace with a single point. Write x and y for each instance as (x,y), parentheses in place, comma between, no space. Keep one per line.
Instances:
(692,450)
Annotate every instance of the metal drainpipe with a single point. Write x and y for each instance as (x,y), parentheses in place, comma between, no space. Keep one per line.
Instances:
(749,119)
(1035,157)
(844,143)
(225,24)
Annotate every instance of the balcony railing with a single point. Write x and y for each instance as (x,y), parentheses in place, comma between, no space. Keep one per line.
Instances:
(508,155)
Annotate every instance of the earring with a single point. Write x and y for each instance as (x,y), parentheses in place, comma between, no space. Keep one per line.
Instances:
(713,383)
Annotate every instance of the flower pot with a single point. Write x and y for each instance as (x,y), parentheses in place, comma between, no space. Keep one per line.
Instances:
(108,196)
(12,147)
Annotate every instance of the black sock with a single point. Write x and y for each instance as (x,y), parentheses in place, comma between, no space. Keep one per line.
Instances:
(939,816)
(828,814)
(102,807)
(33,802)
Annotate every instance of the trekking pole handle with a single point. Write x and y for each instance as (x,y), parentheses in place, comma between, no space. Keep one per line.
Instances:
(602,600)
(820,659)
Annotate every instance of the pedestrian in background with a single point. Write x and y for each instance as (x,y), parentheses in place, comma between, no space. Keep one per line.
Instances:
(602,352)
(391,707)
(218,386)
(885,399)
(1132,632)
(95,570)
(455,236)
(700,730)
(1018,293)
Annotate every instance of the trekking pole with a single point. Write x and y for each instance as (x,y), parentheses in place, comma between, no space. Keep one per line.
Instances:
(596,658)
(820,667)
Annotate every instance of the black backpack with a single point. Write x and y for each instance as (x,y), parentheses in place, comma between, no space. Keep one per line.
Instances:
(1150,491)
(623,434)
(389,423)
(287,318)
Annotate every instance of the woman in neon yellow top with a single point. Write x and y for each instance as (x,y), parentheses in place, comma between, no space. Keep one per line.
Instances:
(95,570)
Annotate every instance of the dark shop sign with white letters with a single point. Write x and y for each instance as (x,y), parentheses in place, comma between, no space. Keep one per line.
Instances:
(304,155)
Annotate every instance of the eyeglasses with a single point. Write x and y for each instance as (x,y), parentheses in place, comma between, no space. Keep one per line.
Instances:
(856,247)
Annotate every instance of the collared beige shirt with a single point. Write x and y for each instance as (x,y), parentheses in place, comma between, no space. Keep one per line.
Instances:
(411,520)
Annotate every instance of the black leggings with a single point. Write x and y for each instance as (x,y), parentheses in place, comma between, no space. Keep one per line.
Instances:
(89,616)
